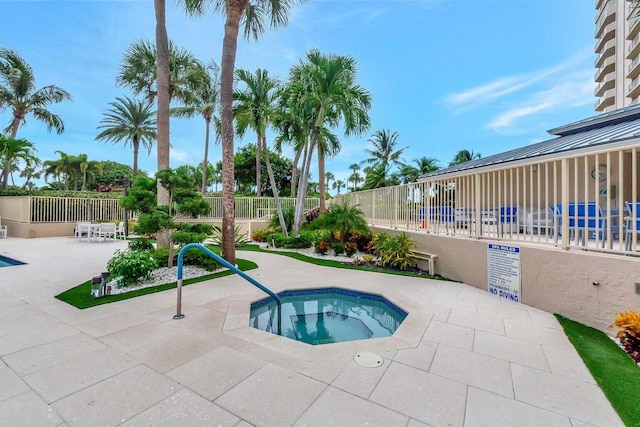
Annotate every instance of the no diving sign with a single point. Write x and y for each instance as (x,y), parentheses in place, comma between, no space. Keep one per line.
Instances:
(503,267)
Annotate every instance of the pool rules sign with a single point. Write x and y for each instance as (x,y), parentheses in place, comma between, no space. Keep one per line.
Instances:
(503,267)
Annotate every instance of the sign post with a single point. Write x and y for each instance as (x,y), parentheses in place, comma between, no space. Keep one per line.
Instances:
(503,270)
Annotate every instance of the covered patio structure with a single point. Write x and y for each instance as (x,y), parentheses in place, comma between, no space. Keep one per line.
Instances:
(569,205)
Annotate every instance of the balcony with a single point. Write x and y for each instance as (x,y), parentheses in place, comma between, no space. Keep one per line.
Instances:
(608,50)
(608,66)
(609,33)
(599,4)
(632,9)
(634,27)
(606,16)
(609,83)
(633,69)
(633,48)
(633,90)
(606,101)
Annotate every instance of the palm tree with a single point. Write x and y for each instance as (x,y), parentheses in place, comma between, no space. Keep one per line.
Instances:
(166,72)
(464,156)
(31,170)
(13,150)
(17,92)
(424,165)
(378,176)
(323,91)
(252,14)
(87,169)
(355,176)
(129,121)
(205,101)
(328,177)
(62,169)
(384,150)
(338,185)
(256,108)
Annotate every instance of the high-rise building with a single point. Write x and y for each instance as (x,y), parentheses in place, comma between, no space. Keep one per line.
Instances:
(617,54)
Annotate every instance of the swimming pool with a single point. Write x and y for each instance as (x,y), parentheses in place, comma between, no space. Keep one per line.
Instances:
(8,262)
(328,315)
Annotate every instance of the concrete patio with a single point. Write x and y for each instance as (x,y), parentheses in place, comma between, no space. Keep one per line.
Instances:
(462,358)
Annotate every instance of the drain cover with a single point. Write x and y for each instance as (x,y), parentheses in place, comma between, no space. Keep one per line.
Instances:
(368,360)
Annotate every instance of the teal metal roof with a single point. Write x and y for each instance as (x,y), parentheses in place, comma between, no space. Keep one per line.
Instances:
(607,128)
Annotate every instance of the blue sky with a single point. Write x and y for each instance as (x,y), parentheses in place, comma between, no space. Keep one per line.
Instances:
(483,75)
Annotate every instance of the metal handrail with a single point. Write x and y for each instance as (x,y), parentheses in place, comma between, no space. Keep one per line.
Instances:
(231,267)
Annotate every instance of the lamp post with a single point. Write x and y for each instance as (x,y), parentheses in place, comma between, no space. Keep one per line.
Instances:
(125,182)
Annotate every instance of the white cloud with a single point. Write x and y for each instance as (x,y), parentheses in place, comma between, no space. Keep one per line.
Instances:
(574,91)
(480,95)
(179,155)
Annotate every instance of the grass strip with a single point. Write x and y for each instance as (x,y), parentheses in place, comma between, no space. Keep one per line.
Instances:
(338,264)
(615,372)
(80,296)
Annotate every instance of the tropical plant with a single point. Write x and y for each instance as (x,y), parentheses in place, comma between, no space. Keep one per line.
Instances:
(252,14)
(323,91)
(18,93)
(355,176)
(288,214)
(629,333)
(302,240)
(464,156)
(216,236)
(338,185)
(13,150)
(342,218)
(379,176)
(61,169)
(322,246)
(87,169)
(131,122)
(395,251)
(204,101)
(338,248)
(128,267)
(409,173)
(350,248)
(328,177)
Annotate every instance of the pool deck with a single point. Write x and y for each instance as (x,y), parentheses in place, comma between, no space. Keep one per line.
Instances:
(462,357)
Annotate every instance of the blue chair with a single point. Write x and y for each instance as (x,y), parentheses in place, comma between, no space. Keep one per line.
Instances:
(507,215)
(629,229)
(587,218)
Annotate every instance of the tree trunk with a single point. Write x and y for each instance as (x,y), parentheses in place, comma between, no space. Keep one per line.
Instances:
(206,156)
(258,164)
(234,11)
(164,99)
(15,125)
(136,151)
(272,180)
(294,172)
(5,175)
(321,180)
(304,181)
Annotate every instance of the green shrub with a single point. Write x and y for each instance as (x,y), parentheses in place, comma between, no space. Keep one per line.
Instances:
(128,267)
(161,255)
(350,248)
(338,248)
(394,251)
(198,258)
(361,240)
(303,240)
(322,246)
(343,219)
(288,213)
(140,245)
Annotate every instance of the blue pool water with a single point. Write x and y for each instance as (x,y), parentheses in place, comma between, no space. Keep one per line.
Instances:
(328,315)
(8,262)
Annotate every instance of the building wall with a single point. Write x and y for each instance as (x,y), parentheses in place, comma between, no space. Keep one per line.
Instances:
(587,287)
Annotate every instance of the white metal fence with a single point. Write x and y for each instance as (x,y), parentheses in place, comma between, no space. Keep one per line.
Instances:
(44,209)
(587,201)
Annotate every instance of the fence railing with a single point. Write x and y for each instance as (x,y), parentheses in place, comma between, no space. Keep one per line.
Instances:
(576,202)
(44,209)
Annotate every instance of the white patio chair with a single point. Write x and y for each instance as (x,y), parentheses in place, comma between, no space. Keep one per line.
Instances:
(106,230)
(3,230)
(83,228)
(120,230)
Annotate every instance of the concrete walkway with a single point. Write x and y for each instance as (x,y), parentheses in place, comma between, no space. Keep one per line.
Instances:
(461,358)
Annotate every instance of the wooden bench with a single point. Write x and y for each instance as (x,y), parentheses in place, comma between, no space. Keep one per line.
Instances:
(419,255)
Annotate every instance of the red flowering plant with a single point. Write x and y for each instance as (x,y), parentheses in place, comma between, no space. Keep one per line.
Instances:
(322,246)
(350,248)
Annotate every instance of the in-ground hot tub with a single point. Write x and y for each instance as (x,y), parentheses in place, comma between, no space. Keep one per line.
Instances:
(328,315)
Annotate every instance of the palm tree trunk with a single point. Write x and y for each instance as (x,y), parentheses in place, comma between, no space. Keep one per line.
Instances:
(234,11)
(206,156)
(258,163)
(304,181)
(321,180)
(272,180)
(294,173)
(5,175)
(136,151)
(14,126)
(164,99)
